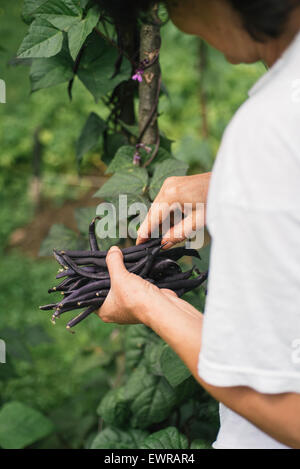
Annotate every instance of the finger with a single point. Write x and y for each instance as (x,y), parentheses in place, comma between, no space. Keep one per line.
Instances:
(157,214)
(115,264)
(186,229)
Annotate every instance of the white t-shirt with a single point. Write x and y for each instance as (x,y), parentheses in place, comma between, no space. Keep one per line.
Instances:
(251,334)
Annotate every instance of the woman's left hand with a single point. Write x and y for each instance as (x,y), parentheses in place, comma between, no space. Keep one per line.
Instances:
(130,298)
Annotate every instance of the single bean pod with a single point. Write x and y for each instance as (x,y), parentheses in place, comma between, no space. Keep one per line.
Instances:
(178,285)
(177,253)
(82,316)
(92,235)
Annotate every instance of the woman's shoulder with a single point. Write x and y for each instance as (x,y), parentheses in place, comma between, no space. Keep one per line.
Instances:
(259,159)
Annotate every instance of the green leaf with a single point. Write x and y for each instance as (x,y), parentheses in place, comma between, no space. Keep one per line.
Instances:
(131,182)
(42,40)
(131,129)
(60,13)
(150,397)
(83,217)
(114,438)
(63,23)
(168,168)
(168,438)
(79,32)
(173,368)
(186,390)
(112,144)
(136,339)
(97,67)
(90,135)
(21,426)
(33,8)
(84,3)
(59,237)
(123,159)
(114,408)
(29,9)
(200,444)
(53,71)
(166,143)
(107,238)
(153,352)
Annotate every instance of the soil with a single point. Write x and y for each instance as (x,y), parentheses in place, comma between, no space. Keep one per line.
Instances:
(28,238)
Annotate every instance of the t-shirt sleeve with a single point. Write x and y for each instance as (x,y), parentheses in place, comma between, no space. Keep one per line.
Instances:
(251,332)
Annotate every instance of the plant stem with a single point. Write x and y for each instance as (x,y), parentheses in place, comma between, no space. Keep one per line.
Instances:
(150,42)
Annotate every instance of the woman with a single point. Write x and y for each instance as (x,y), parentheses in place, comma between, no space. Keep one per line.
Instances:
(245,351)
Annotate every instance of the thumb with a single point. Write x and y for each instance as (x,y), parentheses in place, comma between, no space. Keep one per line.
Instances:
(115,264)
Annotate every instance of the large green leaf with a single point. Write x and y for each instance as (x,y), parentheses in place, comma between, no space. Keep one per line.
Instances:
(29,9)
(114,438)
(21,426)
(90,135)
(153,352)
(172,367)
(59,237)
(52,71)
(168,438)
(130,182)
(150,397)
(122,161)
(114,408)
(62,14)
(168,168)
(63,23)
(33,8)
(79,32)
(97,65)
(136,339)
(42,40)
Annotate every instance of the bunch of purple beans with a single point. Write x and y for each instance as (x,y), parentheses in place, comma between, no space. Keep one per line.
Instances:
(86,278)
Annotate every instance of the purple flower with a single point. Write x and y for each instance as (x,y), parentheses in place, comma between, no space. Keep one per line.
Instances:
(138,75)
(136,159)
(145,147)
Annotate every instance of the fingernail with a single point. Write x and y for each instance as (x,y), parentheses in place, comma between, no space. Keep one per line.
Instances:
(114,249)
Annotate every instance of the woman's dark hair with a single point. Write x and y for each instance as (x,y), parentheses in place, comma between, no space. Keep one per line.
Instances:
(262,18)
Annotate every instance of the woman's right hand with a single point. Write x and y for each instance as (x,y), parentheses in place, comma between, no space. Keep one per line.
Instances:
(175,192)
